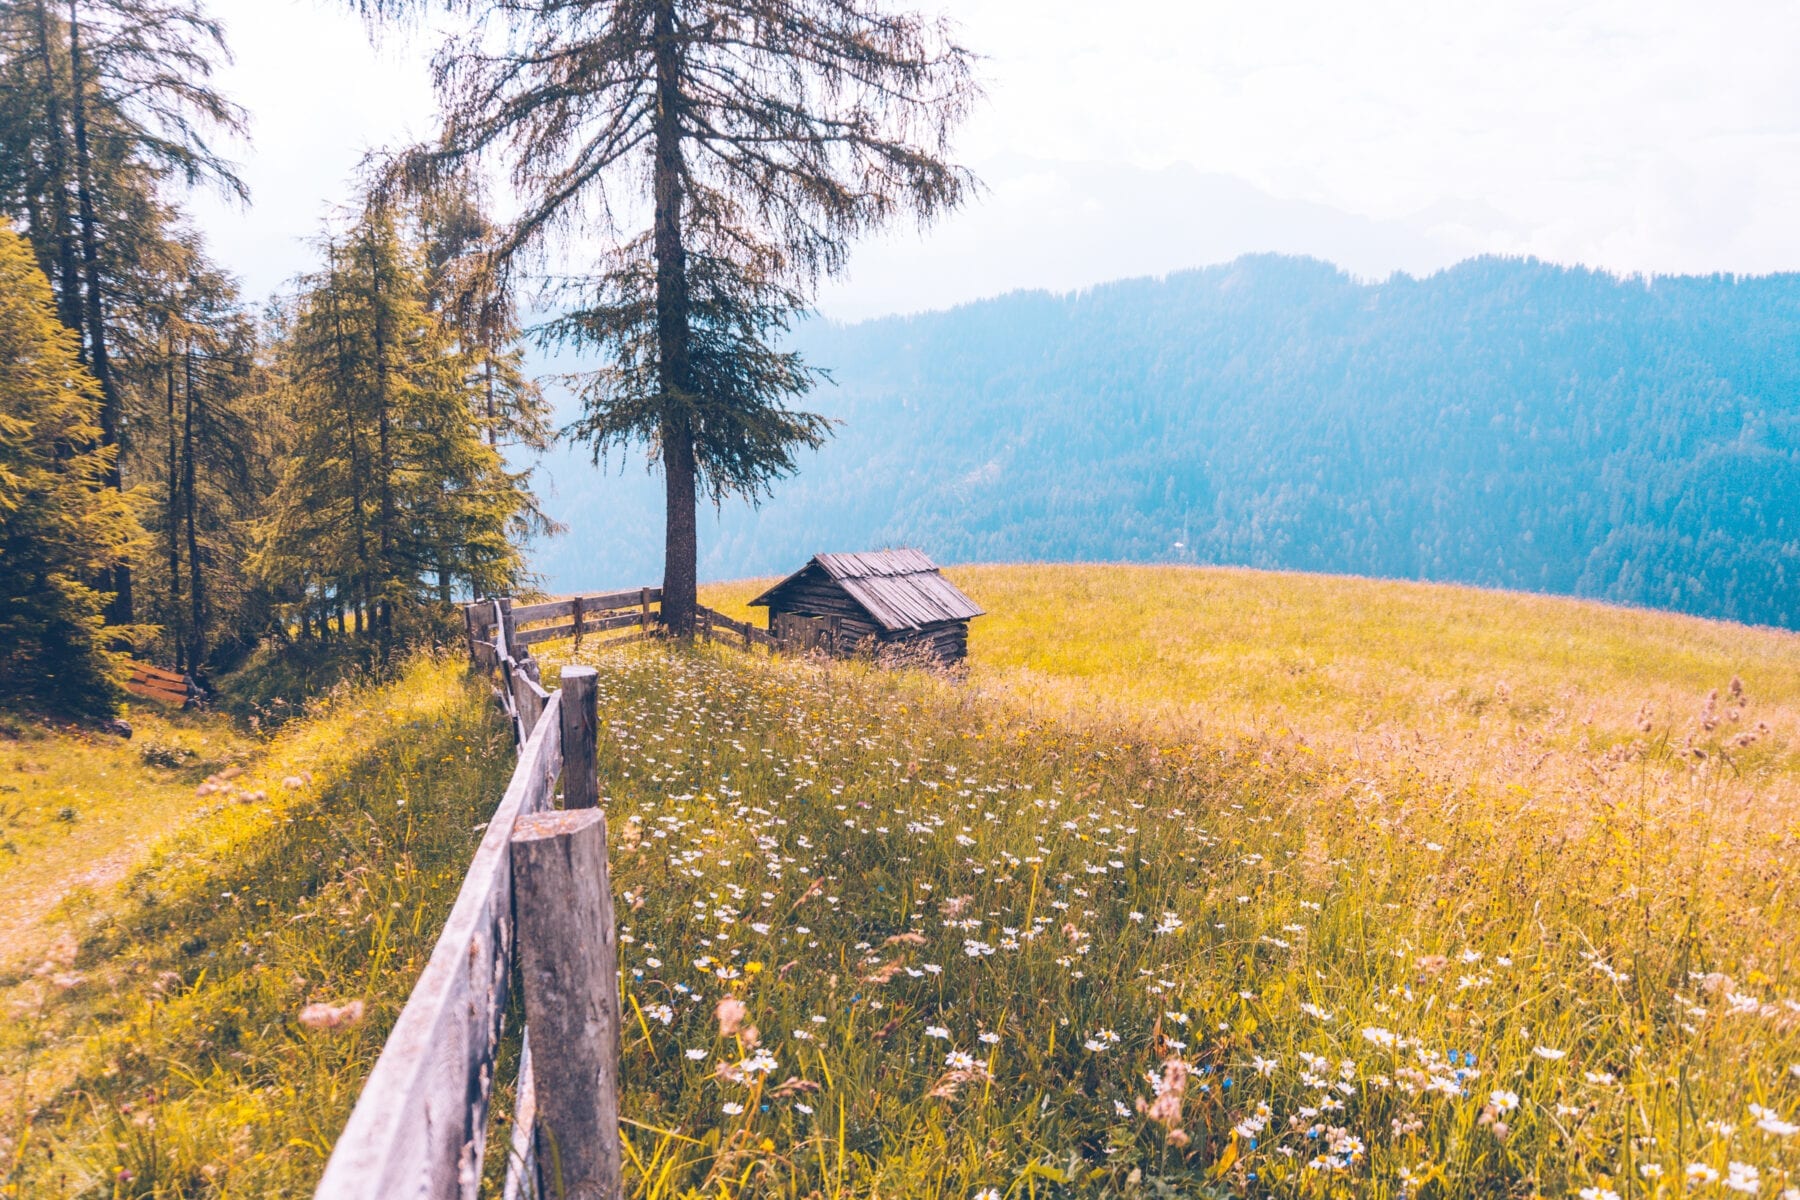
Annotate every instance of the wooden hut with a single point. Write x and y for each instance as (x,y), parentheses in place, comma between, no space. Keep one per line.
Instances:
(888,601)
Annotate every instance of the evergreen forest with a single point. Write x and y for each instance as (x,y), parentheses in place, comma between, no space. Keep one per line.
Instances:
(1506,423)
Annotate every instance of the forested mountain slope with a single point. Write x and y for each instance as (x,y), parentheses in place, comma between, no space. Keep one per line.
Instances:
(1506,423)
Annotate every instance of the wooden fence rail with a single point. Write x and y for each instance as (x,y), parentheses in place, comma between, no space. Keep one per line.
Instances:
(536,902)
(419,1128)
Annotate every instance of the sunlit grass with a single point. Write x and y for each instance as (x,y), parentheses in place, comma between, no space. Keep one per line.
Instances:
(155,1048)
(1526,865)
(1426,892)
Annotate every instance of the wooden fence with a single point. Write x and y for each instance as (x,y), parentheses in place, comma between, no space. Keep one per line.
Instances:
(537,898)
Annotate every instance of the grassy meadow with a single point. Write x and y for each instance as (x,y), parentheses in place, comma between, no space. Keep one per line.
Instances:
(1466,893)
(156,1038)
(1202,883)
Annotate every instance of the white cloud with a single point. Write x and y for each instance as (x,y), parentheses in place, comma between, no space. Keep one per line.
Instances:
(1655,135)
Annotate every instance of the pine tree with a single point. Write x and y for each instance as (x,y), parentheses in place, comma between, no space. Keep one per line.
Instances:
(107,103)
(391,497)
(60,524)
(761,136)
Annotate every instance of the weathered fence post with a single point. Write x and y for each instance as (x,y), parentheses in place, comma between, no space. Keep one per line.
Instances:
(506,624)
(469,633)
(576,612)
(644,602)
(580,735)
(568,964)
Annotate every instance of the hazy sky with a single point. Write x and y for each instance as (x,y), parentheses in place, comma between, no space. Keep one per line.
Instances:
(1141,136)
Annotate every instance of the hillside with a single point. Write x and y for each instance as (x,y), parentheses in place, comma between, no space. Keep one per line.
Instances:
(173,905)
(1502,423)
(1430,891)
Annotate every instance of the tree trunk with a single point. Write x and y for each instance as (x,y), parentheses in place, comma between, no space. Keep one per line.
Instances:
(384,479)
(680,541)
(171,510)
(119,611)
(347,397)
(56,167)
(191,503)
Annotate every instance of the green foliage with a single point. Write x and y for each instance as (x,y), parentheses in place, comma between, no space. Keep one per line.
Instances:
(1505,423)
(388,497)
(60,525)
(744,434)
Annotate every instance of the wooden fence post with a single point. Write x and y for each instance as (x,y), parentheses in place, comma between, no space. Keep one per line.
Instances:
(469,634)
(568,963)
(644,602)
(577,614)
(580,737)
(506,625)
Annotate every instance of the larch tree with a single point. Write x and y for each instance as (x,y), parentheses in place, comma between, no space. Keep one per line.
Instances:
(722,155)
(61,526)
(201,448)
(106,103)
(391,496)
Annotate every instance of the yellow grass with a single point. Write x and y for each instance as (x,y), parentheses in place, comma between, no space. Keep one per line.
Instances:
(79,809)
(149,1040)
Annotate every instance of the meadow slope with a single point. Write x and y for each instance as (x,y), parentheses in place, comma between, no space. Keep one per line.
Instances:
(1466,893)
(1201,883)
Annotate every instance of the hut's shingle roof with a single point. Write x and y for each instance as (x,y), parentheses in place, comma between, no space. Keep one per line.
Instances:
(901,589)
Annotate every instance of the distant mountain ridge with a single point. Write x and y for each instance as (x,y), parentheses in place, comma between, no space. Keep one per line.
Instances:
(1504,422)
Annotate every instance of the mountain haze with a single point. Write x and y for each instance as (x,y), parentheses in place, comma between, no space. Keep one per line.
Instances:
(1504,422)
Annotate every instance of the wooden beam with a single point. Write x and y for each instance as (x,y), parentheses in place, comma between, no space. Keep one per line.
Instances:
(568,966)
(420,1126)
(556,633)
(549,610)
(507,627)
(580,737)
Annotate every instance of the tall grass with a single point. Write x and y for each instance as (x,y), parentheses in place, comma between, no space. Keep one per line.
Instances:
(973,943)
(164,1046)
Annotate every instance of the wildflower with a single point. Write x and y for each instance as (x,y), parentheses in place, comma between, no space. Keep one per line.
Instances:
(1313,1010)
(332,1016)
(1769,1121)
(732,1108)
(730,1013)
(1549,1053)
(960,1060)
(1597,1193)
(1650,1170)
(1503,1100)
(990,1039)
(696,1055)
(1264,1066)
(1381,1037)
(1701,1173)
(988,1194)
(937,1031)
(1742,1177)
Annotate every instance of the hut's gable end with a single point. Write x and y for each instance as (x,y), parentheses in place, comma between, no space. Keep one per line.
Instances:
(891,598)
(898,589)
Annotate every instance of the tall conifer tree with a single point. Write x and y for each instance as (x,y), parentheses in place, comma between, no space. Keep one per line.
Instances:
(758,137)
(392,496)
(60,524)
